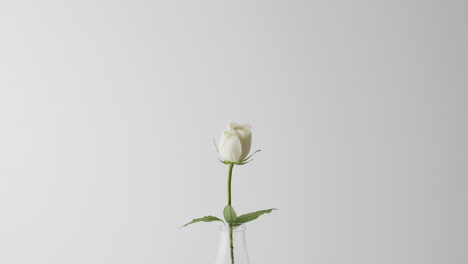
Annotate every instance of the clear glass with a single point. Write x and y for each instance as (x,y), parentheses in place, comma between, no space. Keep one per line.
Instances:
(239,248)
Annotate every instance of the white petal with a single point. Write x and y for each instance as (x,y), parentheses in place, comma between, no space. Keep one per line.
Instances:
(233,126)
(246,127)
(242,133)
(230,147)
(246,142)
(221,141)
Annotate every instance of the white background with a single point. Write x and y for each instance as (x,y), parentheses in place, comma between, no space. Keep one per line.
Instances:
(108,110)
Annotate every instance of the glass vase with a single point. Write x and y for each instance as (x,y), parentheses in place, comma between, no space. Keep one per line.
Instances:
(238,254)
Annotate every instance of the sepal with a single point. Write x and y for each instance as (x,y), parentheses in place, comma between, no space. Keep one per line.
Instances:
(216,146)
(243,162)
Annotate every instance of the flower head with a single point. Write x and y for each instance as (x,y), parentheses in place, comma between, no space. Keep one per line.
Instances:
(235,142)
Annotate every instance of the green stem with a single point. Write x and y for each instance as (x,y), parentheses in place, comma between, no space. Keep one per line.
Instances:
(231,166)
(232,245)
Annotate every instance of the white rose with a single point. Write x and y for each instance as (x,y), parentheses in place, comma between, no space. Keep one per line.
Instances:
(234,145)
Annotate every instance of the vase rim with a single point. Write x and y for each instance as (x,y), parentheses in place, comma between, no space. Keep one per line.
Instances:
(234,229)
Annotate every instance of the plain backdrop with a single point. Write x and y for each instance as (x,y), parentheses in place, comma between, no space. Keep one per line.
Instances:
(108,110)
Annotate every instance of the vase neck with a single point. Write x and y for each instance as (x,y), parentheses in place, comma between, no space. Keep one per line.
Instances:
(239,246)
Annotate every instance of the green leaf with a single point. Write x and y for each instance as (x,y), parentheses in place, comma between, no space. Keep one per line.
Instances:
(230,215)
(208,218)
(252,216)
